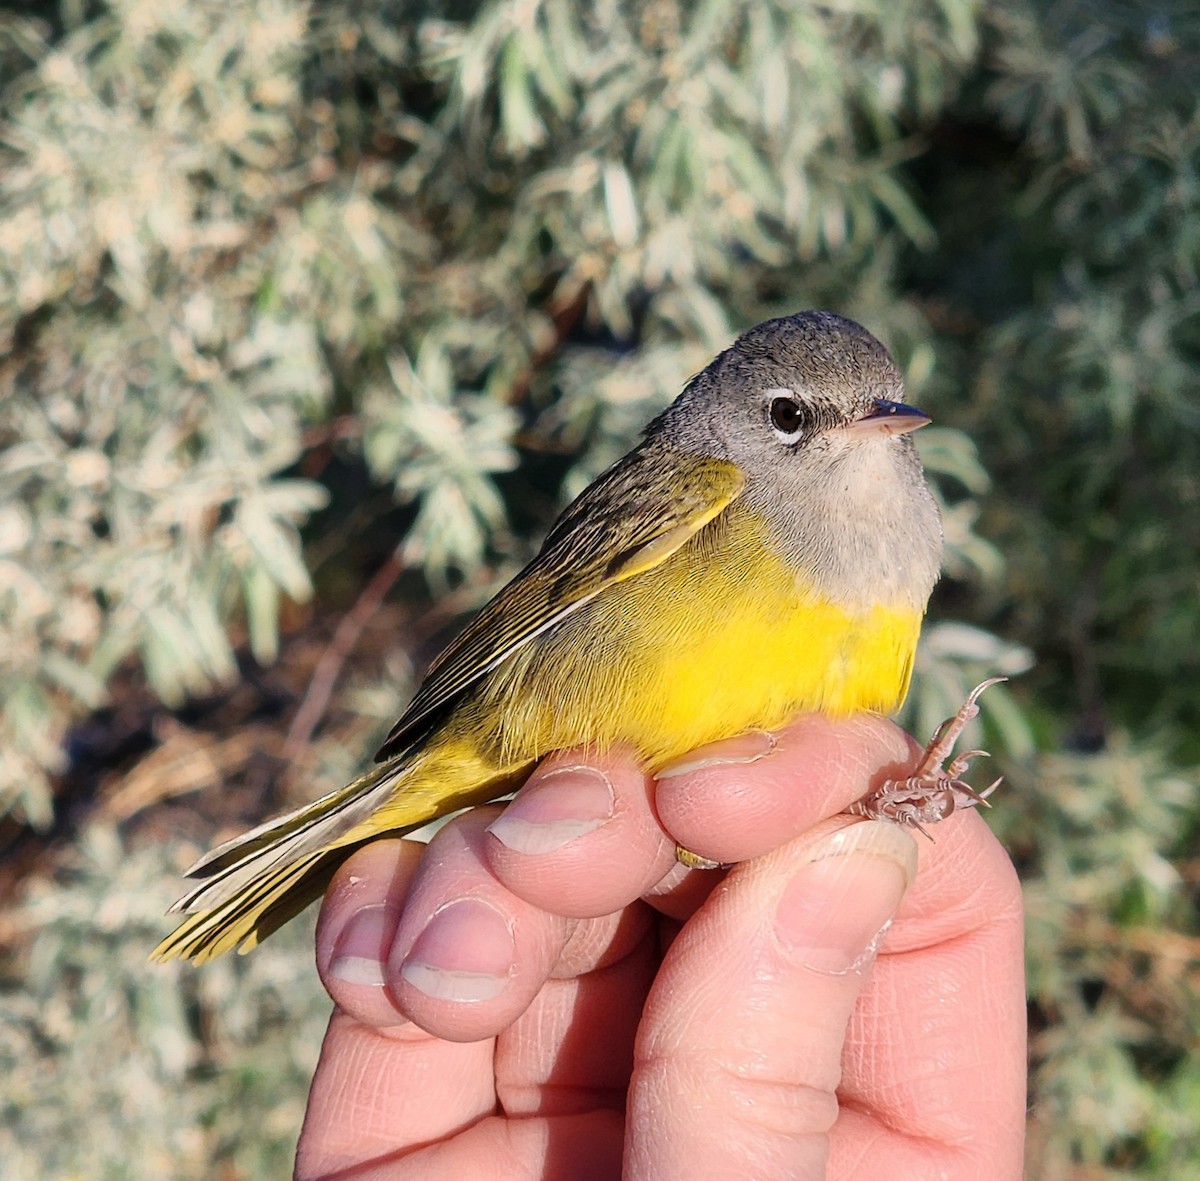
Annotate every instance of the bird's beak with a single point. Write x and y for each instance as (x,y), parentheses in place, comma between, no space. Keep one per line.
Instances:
(890,418)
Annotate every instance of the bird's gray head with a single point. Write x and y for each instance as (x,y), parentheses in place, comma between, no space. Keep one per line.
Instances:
(811,408)
(790,384)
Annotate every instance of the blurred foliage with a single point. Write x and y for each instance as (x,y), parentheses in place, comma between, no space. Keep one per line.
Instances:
(115,1071)
(268,270)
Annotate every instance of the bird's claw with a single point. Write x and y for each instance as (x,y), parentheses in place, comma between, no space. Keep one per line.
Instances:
(934,791)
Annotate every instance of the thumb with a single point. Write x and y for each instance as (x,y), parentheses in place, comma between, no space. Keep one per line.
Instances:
(738,1057)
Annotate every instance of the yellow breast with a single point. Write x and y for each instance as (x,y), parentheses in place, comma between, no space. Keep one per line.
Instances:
(722,637)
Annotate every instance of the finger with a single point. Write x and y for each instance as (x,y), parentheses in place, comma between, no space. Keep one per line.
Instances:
(936,1052)
(735,800)
(739,1053)
(365,1113)
(467,956)
(682,891)
(584,1147)
(463,937)
(357,925)
(581,838)
(572,1049)
(364,1105)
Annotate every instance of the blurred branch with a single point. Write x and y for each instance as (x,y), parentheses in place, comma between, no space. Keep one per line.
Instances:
(345,637)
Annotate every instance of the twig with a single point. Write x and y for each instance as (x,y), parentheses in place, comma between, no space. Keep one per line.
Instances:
(329,667)
(564,319)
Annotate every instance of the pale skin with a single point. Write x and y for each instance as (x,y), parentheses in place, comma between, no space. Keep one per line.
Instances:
(764,1021)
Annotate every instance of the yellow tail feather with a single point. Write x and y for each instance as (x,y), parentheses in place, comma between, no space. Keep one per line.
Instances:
(245,919)
(252,885)
(228,869)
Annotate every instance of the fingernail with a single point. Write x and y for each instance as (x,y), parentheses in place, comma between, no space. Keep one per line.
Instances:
(834,913)
(745,748)
(361,949)
(464,954)
(555,809)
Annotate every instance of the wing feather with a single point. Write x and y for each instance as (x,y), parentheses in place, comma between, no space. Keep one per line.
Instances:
(629,520)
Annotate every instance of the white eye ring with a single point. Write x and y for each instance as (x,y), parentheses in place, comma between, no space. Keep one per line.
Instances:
(785,415)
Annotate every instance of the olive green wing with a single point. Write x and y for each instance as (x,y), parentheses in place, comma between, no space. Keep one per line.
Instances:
(630,519)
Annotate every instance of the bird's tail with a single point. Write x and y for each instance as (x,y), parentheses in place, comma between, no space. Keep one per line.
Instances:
(252,885)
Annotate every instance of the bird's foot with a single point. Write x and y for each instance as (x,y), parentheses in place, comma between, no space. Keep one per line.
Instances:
(694,860)
(934,790)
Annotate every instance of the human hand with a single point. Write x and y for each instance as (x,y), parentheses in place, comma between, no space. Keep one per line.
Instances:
(706,1024)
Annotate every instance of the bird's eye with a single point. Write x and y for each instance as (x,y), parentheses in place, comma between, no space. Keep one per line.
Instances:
(786,418)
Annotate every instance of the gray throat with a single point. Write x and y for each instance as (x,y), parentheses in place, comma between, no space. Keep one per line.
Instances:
(860,523)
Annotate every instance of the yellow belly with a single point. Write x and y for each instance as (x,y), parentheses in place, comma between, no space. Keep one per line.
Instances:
(721,638)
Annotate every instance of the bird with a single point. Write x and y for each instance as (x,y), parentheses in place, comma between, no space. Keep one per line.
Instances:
(767,549)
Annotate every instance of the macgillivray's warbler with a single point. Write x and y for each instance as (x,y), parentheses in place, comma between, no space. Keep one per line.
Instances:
(767,549)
